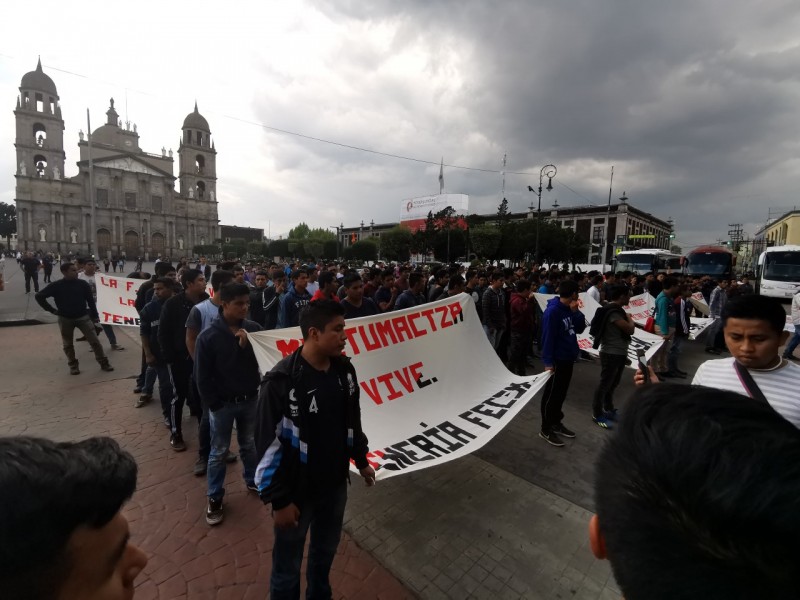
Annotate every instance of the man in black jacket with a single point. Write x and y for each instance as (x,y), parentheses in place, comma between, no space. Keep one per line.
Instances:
(226,373)
(308,428)
(172,343)
(75,309)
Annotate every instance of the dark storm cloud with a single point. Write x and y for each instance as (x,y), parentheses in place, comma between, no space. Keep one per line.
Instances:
(695,102)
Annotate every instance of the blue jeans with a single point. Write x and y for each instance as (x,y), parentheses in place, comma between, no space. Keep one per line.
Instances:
(221,422)
(112,337)
(674,352)
(793,343)
(324,515)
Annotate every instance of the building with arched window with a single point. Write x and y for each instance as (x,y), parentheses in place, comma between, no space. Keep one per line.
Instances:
(138,211)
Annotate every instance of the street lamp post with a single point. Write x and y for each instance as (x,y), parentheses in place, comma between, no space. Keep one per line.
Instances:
(548,171)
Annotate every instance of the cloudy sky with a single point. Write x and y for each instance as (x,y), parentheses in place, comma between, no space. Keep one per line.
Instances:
(695,104)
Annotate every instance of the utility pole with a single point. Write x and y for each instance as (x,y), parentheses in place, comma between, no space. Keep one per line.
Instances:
(735,235)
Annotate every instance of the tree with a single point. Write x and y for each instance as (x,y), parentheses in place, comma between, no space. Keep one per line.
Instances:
(257,248)
(330,250)
(300,232)
(485,240)
(365,250)
(396,243)
(323,235)
(502,213)
(8,221)
(279,248)
(313,248)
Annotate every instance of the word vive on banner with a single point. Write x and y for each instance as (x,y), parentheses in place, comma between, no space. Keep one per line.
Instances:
(116,300)
(432,387)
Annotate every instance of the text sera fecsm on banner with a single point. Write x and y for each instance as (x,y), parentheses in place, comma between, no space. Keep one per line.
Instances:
(116,299)
(648,342)
(432,387)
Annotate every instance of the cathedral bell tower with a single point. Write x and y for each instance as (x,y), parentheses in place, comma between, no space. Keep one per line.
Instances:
(197,159)
(40,128)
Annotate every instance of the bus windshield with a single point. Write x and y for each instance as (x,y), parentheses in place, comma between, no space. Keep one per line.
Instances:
(638,264)
(782,266)
(709,263)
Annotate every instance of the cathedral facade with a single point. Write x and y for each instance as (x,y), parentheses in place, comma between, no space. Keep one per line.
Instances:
(137,210)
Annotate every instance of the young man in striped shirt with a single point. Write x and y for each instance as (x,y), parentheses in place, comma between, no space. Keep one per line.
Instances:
(753,329)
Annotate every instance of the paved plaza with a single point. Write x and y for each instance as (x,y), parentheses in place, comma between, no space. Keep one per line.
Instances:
(507,522)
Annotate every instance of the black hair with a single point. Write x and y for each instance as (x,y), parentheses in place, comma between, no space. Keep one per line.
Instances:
(297,272)
(190,276)
(65,267)
(704,483)
(237,269)
(608,274)
(496,275)
(753,306)
(163,268)
(220,278)
(387,273)
(278,274)
(615,292)
(325,278)
(414,279)
(669,282)
(232,291)
(164,281)
(318,314)
(508,272)
(262,273)
(523,285)
(456,280)
(567,288)
(597,279)
(50,489)
(228,265)
(350,279)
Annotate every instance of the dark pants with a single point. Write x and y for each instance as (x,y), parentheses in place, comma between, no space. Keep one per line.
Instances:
(180,374)
(555,392)
(112,337)
(28,278)
(518,349)
(48,272)
(674,353)
(323,515)
(611,368)
(203,422)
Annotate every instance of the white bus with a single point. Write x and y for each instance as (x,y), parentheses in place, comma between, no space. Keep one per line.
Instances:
(639,262)
(778,272)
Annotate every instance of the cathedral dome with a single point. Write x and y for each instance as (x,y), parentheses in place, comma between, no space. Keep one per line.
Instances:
(37,80)
(194,120)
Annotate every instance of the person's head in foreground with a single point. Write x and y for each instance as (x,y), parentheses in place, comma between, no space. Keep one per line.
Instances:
(753,328)
(322,326)
(697,498)
(63,534)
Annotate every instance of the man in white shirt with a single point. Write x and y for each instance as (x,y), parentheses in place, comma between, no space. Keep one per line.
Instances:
(795,341)
(87,275)
(753,329)
(594,289)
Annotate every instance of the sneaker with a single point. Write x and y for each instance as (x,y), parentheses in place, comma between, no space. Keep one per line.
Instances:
(611,415)
(214,513)
(105,366)
(551,438)
(73,369)
(562,430)
(177,443)
(138,389)
(143,399)
(200,467)
(231,457)
(252,487)
(81,339)
(117,347)
(167,423)
(602,422)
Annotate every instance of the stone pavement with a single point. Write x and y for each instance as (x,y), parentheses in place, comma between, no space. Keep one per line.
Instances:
(509,521)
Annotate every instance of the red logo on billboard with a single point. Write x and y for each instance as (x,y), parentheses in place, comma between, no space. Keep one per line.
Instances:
(409,206)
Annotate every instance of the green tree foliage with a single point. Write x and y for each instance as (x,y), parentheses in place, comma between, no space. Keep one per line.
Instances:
(257,248)
(313,248)
(485,240)
(209,250)
(279,248)
(365,250)
(324,235)
(8,221)
(502,213)
(330,250)
(396,244)
(300,232)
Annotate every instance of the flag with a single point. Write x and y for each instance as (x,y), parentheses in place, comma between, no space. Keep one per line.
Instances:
(441,176)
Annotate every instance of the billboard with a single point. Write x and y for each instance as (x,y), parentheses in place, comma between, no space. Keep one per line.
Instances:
(414,212)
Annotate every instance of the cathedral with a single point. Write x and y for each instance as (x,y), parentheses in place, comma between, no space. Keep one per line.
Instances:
(137,211)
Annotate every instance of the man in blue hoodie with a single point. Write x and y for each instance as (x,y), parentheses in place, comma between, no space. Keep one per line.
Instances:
(560,323)
(296,298)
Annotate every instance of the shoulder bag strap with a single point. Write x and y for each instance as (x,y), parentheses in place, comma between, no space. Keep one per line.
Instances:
(749,383)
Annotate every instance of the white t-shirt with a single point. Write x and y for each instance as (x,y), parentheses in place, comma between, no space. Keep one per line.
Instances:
(90,280)
(781,387)
(594,293)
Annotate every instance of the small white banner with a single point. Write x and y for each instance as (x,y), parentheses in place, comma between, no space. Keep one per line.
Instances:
(116,299)
(432,387)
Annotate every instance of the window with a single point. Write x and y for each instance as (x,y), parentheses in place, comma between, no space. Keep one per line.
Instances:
(39,134)
(597,234)
(201,189)
(102,198)
(39,103)
(199,164)
(156,203)
(188,137)
(40,164)
(130,200)
(52,106)
(199,138)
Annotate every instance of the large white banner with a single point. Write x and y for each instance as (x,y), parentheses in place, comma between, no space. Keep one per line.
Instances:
(641,307)
(116,299)
(432,386)
(641,340)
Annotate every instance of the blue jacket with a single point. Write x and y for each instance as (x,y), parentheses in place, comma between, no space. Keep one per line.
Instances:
(291,303)
(559,328)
